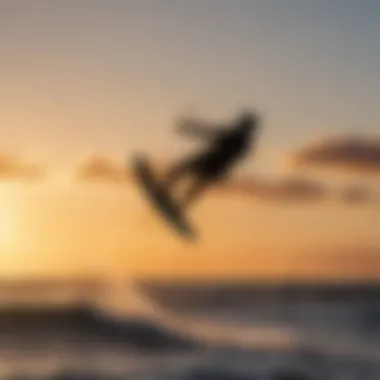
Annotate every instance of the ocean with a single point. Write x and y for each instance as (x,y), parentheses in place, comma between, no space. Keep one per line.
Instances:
(189,331)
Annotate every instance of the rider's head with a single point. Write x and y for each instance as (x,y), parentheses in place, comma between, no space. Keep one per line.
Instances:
(248,121)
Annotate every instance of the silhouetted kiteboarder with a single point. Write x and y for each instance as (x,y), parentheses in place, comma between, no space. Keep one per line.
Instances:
(225,146)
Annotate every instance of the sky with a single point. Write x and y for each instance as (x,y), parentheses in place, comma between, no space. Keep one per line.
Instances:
(85,84)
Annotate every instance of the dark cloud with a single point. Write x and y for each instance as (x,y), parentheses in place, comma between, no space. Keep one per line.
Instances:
(360,155)
(12,168)
(101,169)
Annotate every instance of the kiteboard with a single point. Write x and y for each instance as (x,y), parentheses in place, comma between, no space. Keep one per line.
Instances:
(160,198)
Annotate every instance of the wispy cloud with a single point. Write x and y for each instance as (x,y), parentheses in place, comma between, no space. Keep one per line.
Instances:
(16,169)
(101,169)
(298,190)
(357,194)
(284,189)
(355,154)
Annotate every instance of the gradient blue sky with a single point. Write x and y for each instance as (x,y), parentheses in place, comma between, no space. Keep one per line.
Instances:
(88,76)
(105,73)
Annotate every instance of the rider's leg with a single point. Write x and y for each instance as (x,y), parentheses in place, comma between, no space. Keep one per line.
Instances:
(179,170)
(195,190)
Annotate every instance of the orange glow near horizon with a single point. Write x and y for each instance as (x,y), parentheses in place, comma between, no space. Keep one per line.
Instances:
(101,230)
(9,229)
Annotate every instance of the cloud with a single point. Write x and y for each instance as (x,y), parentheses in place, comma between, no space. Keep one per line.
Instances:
(101,169)
(361,155)
(297,190)
(285,189)
(357,195)
(12,168)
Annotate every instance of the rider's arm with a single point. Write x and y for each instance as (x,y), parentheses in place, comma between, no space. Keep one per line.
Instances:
(198,129)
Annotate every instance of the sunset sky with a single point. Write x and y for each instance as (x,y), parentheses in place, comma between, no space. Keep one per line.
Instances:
(85,84)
